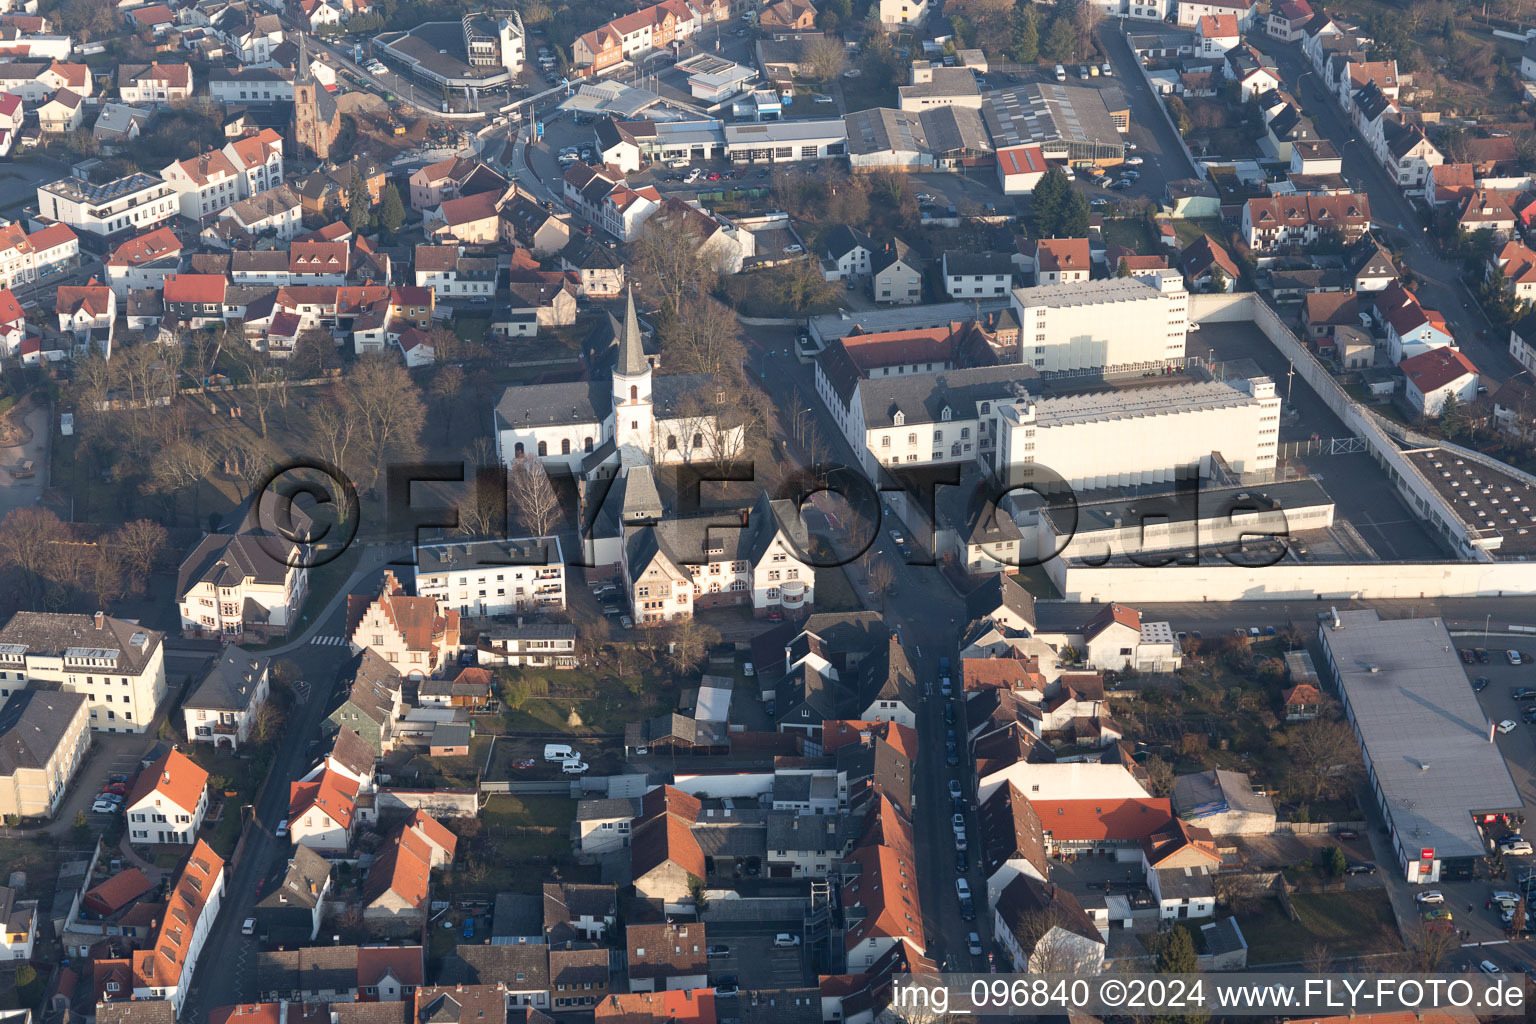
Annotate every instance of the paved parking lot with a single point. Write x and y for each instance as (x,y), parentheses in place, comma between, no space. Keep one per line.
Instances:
(756,961)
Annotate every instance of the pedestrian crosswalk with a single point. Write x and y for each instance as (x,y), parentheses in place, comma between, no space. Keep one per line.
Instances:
(329,641)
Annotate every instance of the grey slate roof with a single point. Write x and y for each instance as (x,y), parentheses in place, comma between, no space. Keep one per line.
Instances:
(478,554)
(845,239)
(517,914)
(554,405)
(32,724)
(229,559)
(1000,591)
(53,633)
(302,883)
(136,1011)
(231,683)
(922,396)
(521,967)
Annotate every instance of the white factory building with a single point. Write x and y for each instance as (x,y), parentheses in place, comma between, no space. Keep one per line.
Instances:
(1147,435)
(1121,321)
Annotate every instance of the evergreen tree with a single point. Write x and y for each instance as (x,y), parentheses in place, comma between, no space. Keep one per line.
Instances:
(391,209)
(1074,216)
(1060,41)
(1176,953)
(357,203)
(1453,418)
(1026,33)
(1334,862)
(1049,201)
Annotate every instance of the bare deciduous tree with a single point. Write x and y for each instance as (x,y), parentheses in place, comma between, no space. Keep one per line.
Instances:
(446,386)
(388,409)
(1323,756)
(531,495)
(30,541)
(689,641)
(1240,891)
(1428,946)
(823,58)
(881,576)
(139,544)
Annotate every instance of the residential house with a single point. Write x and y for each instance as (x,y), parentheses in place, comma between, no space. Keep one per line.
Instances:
(277,213)
(848,252)
(682,1006)
(258,162)
(290,911)
(166,968)
(1515,267)
(521,972)
(665,857)
(397,891)
(144,262)
(1180,864)
(1190,13)
(1062,260)
(228,701)
(27,258)
(62,114)
(250,583)
(1436,376)
(896,273)
(195,300)
(1254,73)
(409,632)
(322,810)
(372,704)
(1298,220)
(472,220)
(1223,803)
(18,926)
(1215,34)
(473,689)
(578,977)
(539,644)
(168,802)
(1011,840)
(1488,209)
(597,269)
(205,184)
(578,913)
(527,223)
(87,313)
(452,274)
(448,179)
(1288,20)
(44,738)
(1324,314)
(1117,636)
(666,957)
(1207,267)
(1044,929)
(607,202)
(970,275)
(1411,329)
(155,83)
(1514,406)
(788,16)
(89,654)
(1371,266)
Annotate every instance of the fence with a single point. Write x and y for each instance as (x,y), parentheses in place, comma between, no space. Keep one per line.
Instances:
(1316,828)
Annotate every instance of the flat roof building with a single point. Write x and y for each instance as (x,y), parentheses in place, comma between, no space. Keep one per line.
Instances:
(1429,750)
(1068,122)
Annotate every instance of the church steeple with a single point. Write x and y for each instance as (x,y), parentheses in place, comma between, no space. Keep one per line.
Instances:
(631,361)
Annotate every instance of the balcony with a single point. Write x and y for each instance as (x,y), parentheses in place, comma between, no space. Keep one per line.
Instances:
(792,594)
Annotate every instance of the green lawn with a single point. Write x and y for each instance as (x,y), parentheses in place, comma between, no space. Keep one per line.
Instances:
(507,812)
(1350,923)
(1188,231)
(1131,232)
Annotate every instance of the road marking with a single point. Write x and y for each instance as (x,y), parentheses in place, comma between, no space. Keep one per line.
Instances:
(328,641)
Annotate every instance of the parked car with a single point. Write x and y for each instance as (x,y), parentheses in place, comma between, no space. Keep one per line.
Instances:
(1432,896)
(1481,653)
(946,687)
(103,807)
(925,197)
(1479,684)
(1134,161)
(785,939)
(573,767)
(1507,725)
(955,792)
(1108,71)
(1513,657)
(724,989)
(1523,693)
(717,951)
(962,888)
(794,249)
(967,909)
(1360,869)
(1489,967)
(1082,72)
(693,176)
(1515,846)
(282,829)
(249,927)
(961,864)
(1466,655)
(525,764)
(957,822)
(822,97)
(973,941)
(1438,914)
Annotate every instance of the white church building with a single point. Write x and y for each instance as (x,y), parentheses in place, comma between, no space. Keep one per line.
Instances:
(581,426)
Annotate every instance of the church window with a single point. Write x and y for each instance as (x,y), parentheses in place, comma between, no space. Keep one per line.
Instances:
(517,450)
(634,393)
(586,445)
(543,449)
(565,446)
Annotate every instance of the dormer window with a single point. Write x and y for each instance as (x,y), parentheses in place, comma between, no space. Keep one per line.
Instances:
(945,414)
(899,418)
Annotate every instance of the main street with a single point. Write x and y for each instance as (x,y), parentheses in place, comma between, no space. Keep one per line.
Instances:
(1442,288)
(226,968)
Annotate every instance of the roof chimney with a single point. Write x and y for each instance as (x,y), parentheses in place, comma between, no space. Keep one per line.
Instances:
(101,619)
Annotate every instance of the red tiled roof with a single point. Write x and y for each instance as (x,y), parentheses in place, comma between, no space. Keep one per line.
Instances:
(1112,613)
(886,889)
(1100,819)
(1055,254)
(678,1006)
(92,297)
(161,965)
(10,309)
(331,793)
(247,1013)
(434,831)
(116,892)
(404,962)
(51,236)
(1433,370)
(1217,26)
(1301,693)
(175,777)
(157,244)
(998,673)
(467,209)
(75,76)
(199,288)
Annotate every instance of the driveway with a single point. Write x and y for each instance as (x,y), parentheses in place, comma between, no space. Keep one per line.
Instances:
(38,422)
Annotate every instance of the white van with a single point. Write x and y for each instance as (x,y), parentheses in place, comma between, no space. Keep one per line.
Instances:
(1061,73)
(560,752)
